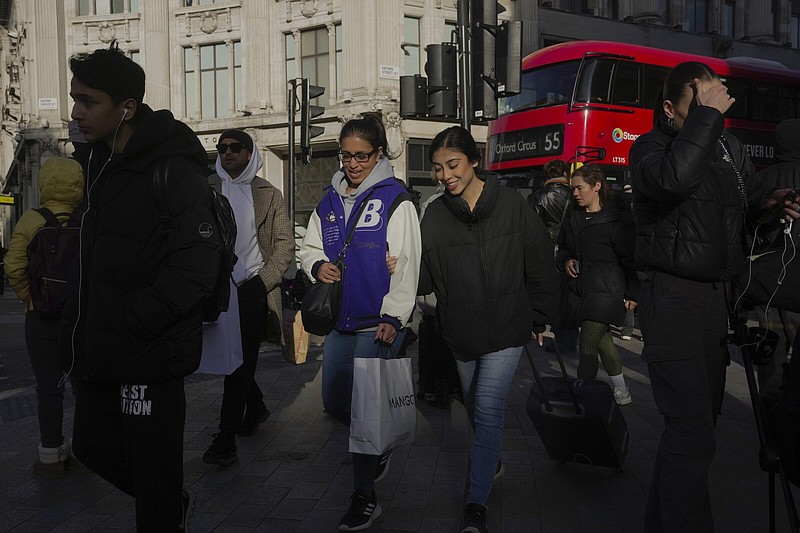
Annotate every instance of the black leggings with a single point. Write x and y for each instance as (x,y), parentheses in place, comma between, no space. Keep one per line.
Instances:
(596,337)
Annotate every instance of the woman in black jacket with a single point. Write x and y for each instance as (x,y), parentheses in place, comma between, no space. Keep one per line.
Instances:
(595,249)
(489,261)
(692,185)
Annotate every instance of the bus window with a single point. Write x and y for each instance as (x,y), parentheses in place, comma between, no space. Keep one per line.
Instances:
(738,89)
(774,103)
(595,83)
(654,77)
(551,85)
(625,89)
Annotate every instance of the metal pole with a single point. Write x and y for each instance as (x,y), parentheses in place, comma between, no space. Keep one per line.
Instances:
(465,75)
(292,164)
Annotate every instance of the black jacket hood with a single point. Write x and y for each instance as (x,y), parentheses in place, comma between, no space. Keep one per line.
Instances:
(157,134)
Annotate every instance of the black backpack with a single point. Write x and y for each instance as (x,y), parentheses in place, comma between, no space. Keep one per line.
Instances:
(52,252)
(220,296)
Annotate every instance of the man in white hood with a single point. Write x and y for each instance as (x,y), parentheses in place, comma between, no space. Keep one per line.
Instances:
(264,247)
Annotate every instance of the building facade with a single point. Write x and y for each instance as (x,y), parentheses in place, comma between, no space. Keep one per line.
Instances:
(219,64)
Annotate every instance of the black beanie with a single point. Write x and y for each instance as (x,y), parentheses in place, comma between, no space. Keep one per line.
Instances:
(240,136)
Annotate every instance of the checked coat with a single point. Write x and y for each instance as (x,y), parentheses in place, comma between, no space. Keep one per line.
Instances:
(276,241)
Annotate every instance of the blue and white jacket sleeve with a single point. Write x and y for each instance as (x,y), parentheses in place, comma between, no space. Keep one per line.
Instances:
(311,253)
(405,242)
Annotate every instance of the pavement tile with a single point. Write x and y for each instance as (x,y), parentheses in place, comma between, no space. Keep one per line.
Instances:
(295,474)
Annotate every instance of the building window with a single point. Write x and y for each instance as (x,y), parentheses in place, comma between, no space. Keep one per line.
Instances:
(794,25)
(189,3)
(105,7)
(663,10)
(136,56)
(315,58)
(729,18)
(213,80)
(696,19)
(410,46)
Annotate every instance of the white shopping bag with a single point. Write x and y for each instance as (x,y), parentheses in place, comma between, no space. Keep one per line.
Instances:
(222,341)
(383,412)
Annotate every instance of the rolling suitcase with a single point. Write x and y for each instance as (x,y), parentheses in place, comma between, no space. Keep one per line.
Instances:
(578,421)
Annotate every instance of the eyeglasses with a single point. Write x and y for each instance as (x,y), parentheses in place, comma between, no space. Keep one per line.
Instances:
(360,157)
(235,147)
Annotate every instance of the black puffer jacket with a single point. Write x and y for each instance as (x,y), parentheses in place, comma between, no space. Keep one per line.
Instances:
(686,201)
(491,270)
(603,244)
(142,280)
(552,204)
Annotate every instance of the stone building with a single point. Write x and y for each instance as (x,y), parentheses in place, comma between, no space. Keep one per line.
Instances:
(219,64)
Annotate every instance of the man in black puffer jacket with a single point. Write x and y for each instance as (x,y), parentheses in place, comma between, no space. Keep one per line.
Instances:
(784,173)
(132,327)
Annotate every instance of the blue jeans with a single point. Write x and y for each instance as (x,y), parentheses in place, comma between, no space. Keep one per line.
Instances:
(337,386)
(485,383)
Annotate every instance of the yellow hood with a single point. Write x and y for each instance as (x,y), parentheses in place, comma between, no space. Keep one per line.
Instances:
(61,184)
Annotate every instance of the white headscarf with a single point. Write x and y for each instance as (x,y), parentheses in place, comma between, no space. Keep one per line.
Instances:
(240,195)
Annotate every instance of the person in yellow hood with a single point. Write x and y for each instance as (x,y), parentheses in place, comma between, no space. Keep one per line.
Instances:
(61,191)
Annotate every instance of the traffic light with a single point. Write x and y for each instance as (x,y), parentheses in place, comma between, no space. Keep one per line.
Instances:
(509,59)
(307,112)
(413,96)
(483,25)
(442,86)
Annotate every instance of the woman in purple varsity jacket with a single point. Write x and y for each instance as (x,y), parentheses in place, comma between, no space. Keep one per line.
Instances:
(375,304)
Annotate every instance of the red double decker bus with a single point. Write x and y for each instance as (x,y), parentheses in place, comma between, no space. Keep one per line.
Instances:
(587,101)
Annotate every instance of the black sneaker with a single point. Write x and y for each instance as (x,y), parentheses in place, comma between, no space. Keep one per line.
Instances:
(364,510)
(251,423)
(474,520)
(383,466)
(222,450)
(188,500)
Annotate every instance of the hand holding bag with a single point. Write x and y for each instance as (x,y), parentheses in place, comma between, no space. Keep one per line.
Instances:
(383,412)
(323,301)
(222,341)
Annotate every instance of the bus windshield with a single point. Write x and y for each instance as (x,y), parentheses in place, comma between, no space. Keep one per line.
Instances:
(542,87)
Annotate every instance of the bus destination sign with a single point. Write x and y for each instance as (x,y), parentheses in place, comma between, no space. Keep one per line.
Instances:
(527,143)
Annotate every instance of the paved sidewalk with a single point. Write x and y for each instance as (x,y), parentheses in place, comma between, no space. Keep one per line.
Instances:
(294,475)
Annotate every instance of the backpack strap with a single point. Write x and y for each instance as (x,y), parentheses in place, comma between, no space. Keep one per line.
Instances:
(55,219)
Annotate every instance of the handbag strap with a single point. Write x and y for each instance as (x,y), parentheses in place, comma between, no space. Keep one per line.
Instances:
(350,233)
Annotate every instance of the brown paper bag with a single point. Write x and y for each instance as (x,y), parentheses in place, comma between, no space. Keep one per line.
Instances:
(295,348)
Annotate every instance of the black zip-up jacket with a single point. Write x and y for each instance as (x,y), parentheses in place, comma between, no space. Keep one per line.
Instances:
(491,270)
(603,243)
(687,204)
(137,318)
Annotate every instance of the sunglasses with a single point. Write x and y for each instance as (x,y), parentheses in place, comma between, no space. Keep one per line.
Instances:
(234,147)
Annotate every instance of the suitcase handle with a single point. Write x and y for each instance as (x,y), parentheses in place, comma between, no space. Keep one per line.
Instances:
(529,353)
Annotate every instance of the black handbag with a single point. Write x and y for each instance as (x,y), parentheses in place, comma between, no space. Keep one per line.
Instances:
(323,301)
(321,304)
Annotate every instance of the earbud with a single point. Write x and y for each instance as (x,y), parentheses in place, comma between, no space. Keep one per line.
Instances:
(788,229)
(126,111)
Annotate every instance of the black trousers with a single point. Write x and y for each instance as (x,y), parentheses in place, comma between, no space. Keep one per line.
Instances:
(684,326)
(132,436)
(41,339)
(240,390)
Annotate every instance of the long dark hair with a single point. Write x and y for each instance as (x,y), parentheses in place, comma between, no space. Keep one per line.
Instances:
(458,139)
(592,174)
(369,128)
(678,80)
